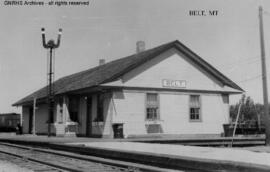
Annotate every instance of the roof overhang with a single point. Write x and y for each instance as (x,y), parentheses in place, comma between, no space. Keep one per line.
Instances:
(113,87)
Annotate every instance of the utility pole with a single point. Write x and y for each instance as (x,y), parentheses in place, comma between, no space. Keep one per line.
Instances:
(51,46)
(264,81)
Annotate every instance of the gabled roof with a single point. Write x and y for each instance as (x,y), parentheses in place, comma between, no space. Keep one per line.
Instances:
(111,71)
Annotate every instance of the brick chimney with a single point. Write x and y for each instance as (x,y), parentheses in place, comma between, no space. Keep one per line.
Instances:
(140,46)
(101,62)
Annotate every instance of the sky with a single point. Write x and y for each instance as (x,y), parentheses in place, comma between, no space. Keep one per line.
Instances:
(109,29)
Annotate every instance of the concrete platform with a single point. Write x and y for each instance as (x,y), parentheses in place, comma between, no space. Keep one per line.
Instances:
(236,157)
(161,155)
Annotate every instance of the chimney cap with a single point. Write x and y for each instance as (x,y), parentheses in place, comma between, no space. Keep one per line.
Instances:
(140,46)
(101,62)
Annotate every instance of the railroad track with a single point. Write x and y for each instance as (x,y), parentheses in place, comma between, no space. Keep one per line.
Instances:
(39,159)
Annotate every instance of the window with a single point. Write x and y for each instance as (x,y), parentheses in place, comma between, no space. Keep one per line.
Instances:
(195,108)
(100,106)
(73,108)
(225,98)
(60,102)
(152,106)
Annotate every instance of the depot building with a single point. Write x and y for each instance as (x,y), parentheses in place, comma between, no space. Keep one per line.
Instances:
(166,90)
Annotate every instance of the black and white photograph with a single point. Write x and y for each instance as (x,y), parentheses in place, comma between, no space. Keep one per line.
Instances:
(134,86)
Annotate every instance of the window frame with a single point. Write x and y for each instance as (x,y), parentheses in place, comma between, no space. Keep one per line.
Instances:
(200,109)
(158,107)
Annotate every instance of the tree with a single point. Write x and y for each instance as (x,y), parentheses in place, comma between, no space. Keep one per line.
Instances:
(249,110)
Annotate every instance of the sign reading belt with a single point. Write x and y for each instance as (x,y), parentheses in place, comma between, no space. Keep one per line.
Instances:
(174,83)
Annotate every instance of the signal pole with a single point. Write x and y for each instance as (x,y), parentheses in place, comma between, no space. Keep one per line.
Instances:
(264,81)
(51,46)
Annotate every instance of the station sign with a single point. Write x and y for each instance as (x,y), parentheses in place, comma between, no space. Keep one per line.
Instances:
(168,83)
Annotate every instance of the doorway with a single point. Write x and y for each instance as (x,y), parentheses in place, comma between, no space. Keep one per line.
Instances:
(30,120)
(89,116)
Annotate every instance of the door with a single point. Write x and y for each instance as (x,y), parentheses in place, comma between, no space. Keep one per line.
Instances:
(30,120)
(89,116)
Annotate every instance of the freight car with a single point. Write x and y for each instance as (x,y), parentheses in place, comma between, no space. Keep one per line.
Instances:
(9,122)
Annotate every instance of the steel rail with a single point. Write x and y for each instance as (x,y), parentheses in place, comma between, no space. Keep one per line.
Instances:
(130,166)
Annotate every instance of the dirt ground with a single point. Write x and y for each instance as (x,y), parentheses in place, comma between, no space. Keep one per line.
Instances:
(258,149)
(9,167)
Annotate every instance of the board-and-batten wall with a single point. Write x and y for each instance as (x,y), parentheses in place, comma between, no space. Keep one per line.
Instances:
(129,108)
(25,120)
(41,119)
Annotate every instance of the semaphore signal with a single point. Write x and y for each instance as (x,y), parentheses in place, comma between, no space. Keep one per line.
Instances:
(50,45)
